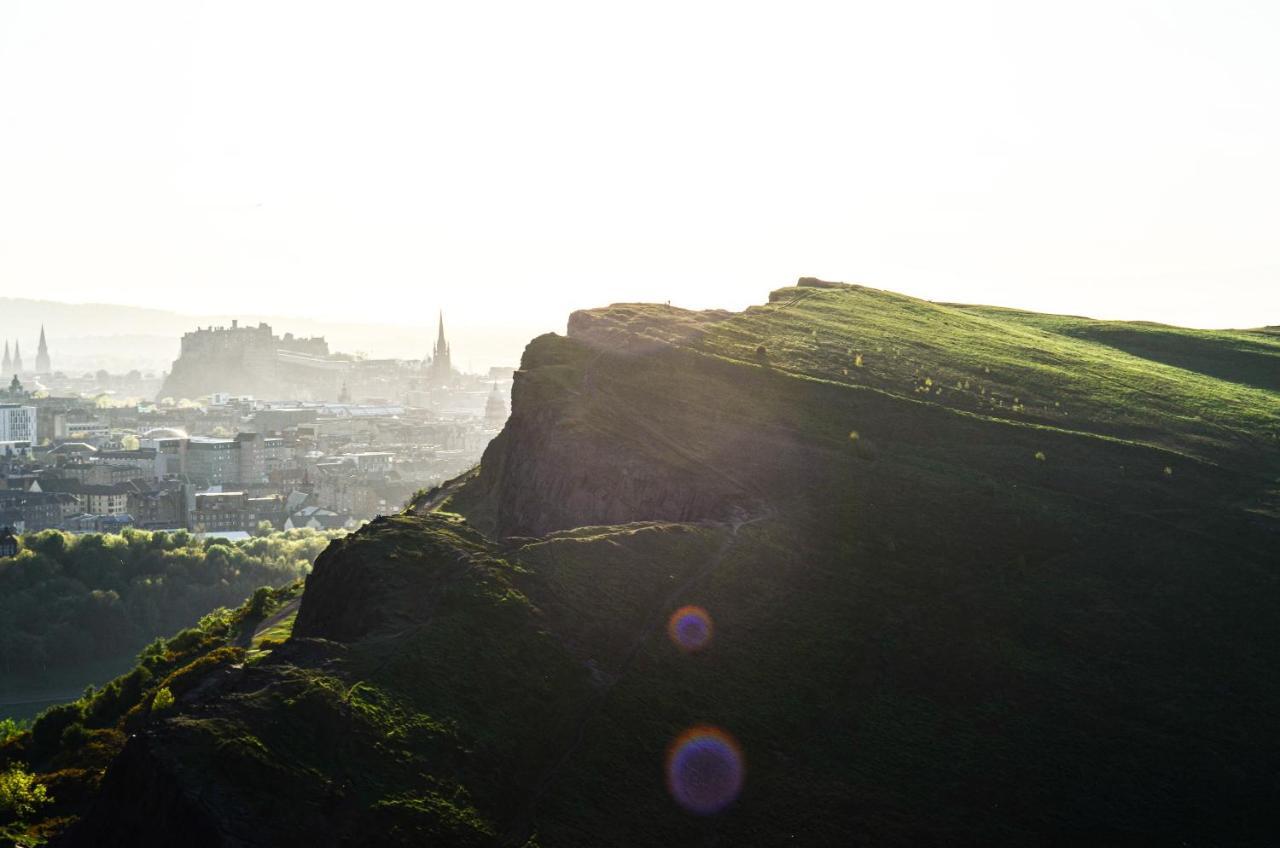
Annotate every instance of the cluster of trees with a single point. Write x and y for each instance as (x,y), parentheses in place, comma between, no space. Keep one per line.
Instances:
(66,601)
(51,766)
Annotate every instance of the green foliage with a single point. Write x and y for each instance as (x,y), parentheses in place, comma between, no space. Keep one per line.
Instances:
(47,730)
(20,795)
(69,601)
(260,602)
(185,678)
(9,728)
(163,700)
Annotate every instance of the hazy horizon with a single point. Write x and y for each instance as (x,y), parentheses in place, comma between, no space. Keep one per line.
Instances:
(1107,159)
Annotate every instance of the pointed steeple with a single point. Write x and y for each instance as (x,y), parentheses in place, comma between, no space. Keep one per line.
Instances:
(441,369)
(43,365)
(8,362)
(442,346)
(17,356)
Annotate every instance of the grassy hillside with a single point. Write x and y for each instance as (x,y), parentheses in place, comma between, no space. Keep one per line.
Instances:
(1075,374)
(974,577)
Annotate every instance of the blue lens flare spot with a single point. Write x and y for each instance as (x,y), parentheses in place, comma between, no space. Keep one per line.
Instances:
(690,628)
(705,770)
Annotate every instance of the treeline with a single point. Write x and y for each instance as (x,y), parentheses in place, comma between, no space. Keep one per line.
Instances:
(66,601)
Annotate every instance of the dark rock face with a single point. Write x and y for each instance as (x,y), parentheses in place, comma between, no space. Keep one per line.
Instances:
(603,431)
(143,803)
(381,580)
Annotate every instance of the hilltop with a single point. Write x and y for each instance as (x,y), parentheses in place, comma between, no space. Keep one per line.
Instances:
(975,576)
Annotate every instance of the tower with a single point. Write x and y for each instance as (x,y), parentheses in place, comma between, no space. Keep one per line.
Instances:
(8,361)
(42,356)
(17,357)
(441,368)
(495,409)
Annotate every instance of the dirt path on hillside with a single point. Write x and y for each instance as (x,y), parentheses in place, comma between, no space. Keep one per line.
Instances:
(433,502)
(245,640)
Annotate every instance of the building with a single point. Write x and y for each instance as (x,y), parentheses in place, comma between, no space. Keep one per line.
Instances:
(43,366)
(88,523)
(253,361)
(213,461)
(17,422)
(30,512)
(94,498)
(8,543)
(222,511)
(495,409)
(251,468)
(170,446)
(318,518)
(16,451)
(440,366)
(98,473)
(159,505)
(79,425)
(16,393)
(144,462)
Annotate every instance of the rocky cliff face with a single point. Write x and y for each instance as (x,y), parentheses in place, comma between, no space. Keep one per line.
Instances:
(602,431)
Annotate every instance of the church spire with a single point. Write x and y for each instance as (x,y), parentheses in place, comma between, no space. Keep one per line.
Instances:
(43,366)
(17,356)
(8,362)
(441,360)
(442,346)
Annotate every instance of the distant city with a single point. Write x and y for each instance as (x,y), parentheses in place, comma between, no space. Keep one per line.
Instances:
(249,431)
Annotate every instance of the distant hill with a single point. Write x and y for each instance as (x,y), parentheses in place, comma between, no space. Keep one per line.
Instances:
(90,336)
(962,576)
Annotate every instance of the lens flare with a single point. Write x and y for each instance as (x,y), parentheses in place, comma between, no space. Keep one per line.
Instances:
(690,628)
(705,770)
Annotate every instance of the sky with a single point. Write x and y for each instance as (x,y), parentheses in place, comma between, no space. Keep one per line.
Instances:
(511,162)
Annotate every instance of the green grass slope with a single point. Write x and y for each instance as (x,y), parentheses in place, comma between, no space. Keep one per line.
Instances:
(1010,365)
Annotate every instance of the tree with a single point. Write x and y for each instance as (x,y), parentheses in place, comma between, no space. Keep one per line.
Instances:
(20,795)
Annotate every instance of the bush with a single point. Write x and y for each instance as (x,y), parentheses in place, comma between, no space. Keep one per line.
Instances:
(261,602)
(163,700)
(74,737)
(20,795)
(50,724)
(10,728)
(187,677)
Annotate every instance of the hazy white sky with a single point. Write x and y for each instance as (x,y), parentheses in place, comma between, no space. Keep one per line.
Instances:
(374,160)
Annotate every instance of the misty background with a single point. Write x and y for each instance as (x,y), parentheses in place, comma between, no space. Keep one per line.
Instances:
(89,337)
(510,162)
